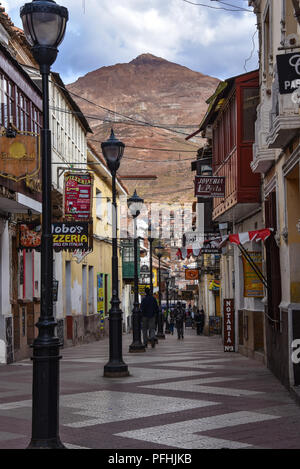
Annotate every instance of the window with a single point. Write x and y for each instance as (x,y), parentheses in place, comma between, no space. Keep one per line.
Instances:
(84,290)
(98,204)
(290,20)
(109,210)
(267,44)
(250,97)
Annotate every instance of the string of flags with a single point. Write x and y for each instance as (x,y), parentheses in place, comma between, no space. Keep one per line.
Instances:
(214,244)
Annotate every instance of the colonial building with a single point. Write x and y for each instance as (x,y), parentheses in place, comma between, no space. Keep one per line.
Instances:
(20,199)
(276,158)
(229,128)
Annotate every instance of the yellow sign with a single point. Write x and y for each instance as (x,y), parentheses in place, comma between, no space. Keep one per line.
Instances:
(253,286)
(155,278)
(19,157)
(142,289)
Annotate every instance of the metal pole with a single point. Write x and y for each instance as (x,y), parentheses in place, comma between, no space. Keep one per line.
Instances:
(46,356)
(136,346)
(167,330)
(160,327)
(151,264)
(116,366)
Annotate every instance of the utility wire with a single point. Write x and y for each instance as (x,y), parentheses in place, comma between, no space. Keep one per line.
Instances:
(210,6)
(238,8)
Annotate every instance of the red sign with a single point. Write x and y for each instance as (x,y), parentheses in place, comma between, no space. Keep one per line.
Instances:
(210,186)
(229,333)
(78,196)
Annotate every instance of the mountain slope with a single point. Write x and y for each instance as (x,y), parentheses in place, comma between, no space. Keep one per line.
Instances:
(156,104)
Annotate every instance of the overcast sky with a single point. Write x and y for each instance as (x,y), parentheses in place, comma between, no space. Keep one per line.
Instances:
(216,42)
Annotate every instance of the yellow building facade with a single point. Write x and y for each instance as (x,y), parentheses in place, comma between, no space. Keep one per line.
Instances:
(86,277)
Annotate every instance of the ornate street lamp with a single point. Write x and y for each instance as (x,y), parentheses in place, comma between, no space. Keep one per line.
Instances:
(113,151)
(151,239)
(159,250)
(44,25)
(167,330)
(135,205)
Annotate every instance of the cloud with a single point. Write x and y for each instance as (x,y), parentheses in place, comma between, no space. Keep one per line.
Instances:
(105,33)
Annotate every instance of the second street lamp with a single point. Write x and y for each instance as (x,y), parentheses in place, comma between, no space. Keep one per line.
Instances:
(135,205)
(167,330)
(113,151)
(44,24)
(159,250)
(151,239)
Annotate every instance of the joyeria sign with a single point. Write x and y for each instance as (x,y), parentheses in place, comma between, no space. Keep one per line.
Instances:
(288,72)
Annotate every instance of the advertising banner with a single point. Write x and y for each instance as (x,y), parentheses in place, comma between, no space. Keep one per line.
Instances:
(253,286)
(78,191)
(210,186)
(229,334)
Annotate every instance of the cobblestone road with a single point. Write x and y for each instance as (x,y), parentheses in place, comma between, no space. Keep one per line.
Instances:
(183,394)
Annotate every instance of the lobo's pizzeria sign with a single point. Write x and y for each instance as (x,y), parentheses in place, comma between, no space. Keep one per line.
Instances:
(66,236)
(209,186)
(229,334)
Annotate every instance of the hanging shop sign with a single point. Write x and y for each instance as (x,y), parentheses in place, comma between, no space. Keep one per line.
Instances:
(29,236)
(191,274)
(210,186)
(187,295)
(20,157)
(229,334)
(253,286)
(78,190)
(67,236)
(288,66)
(70,236)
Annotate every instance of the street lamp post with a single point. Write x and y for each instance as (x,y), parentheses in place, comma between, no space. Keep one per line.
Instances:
(113,151)
(151,239)
(160,329)
(44,24)
(167,330)
(135,204)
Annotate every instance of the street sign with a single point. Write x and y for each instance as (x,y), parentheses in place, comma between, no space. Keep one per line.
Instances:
(229,334)
(210,186)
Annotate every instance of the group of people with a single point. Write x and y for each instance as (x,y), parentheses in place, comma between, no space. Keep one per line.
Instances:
(150,311)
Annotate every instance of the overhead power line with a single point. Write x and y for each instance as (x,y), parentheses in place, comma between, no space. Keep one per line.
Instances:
(234,9)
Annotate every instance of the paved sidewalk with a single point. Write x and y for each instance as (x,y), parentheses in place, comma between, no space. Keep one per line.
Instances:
(184,394)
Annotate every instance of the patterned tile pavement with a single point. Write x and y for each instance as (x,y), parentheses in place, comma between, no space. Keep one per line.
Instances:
(183,394)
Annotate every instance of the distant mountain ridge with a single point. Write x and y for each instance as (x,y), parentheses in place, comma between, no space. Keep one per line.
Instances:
(157,103)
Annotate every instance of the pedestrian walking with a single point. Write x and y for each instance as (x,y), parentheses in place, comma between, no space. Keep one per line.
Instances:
(150,310)
(172,322)
(202,320)
(198,322)
(179,320)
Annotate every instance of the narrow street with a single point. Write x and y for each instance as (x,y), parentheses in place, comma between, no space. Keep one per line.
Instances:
(185,394)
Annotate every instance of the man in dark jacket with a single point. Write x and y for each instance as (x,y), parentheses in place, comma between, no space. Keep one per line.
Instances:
(179,319)
(150,310)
